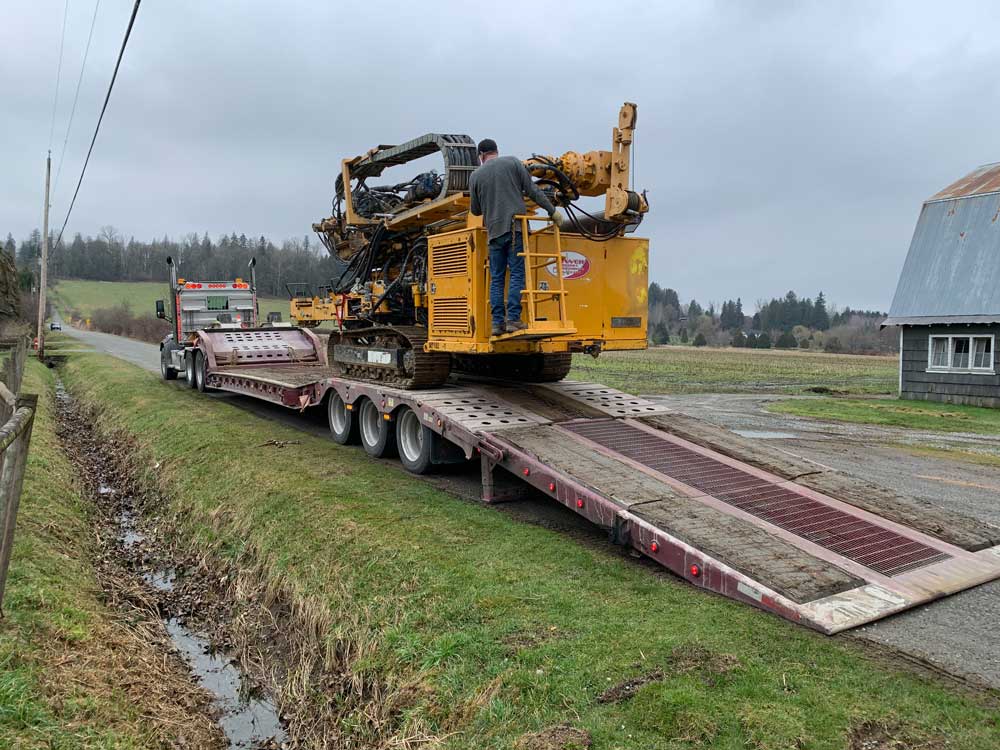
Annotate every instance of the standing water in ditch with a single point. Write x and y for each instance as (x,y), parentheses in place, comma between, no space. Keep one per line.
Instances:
(175,589)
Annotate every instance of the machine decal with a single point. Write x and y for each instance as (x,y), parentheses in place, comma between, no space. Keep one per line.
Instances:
(574,266)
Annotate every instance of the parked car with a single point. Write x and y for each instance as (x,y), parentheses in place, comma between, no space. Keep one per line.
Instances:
(55,326)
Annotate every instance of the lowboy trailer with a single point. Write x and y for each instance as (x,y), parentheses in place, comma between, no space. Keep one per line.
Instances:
(726,514)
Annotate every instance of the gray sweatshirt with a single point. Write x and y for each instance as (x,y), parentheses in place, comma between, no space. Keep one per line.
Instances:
(498,188)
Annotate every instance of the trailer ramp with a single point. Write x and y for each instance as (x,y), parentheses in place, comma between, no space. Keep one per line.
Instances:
(732,527)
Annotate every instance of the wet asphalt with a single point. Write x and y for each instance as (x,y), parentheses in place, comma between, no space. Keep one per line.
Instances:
(957,635)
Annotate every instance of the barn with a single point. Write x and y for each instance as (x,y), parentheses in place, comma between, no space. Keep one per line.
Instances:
(947,301)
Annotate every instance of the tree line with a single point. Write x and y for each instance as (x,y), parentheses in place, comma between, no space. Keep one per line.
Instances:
(787,322)
(110,256)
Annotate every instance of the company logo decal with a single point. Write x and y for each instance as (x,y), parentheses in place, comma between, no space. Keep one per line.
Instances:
(574,266)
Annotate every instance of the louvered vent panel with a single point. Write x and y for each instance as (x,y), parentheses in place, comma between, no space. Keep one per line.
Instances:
(450,260)
(450,314)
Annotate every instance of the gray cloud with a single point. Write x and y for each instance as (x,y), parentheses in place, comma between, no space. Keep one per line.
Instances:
(784,145)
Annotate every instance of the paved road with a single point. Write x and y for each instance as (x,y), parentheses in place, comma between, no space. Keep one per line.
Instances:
(957,635)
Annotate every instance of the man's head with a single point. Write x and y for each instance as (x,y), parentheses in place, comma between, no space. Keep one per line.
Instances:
(487,150)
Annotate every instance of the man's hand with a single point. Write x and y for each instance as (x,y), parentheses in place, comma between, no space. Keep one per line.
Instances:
(557,218)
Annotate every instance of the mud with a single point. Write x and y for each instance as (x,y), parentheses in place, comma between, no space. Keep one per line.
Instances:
(561,737)
(140,570)
(873,735)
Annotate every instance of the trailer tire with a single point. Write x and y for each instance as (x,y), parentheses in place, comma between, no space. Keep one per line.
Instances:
(343,422)
(378,437)
(200,371)
(189,372)
(415,441)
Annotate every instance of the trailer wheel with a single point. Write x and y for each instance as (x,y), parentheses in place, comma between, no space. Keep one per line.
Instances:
(168,372)
(200,374)
(377,436)
(343,424)
(189,375)
(415,441)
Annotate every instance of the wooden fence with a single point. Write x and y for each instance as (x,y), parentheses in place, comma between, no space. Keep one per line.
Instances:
(17,415)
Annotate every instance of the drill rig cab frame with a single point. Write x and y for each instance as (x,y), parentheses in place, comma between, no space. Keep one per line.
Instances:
(410,294)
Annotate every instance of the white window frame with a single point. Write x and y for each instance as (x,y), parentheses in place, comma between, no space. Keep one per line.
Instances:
(970,370)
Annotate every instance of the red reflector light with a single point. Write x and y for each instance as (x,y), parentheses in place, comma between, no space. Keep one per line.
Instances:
(552,486)
(579,503)
(654,547)
(527,472)
(695,571)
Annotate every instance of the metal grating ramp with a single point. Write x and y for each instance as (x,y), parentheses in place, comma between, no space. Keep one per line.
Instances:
(876,547)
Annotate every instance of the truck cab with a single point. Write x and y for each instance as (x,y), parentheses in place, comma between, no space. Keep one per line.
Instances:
(198,306)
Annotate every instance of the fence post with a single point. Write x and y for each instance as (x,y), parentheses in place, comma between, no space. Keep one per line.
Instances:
(17,431)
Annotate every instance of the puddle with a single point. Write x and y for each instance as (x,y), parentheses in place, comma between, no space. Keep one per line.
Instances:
(245,720)
(249,722)
(766,434)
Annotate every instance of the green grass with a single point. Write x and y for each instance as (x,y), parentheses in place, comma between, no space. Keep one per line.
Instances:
(500,628)
(54,690)
(83,297)
(917,415)
(687,369)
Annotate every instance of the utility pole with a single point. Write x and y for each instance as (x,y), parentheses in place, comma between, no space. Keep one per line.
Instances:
(45,261)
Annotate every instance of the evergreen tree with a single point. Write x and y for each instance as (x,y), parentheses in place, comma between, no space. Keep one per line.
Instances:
(786,341)
(684,335)
(763,341)
(699,340)
(821,318)
(739,339)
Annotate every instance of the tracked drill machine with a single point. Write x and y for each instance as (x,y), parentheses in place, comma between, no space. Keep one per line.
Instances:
(409,298)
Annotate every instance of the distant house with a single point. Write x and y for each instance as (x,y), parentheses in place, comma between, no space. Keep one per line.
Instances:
(947,302)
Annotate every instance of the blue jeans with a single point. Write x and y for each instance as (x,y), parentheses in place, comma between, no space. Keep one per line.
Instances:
(503,255)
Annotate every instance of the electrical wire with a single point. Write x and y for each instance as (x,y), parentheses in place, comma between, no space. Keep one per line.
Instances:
(55,99)
(100,119)
(76,96)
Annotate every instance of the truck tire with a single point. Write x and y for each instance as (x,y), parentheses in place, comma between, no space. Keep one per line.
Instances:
(189,374)
(343,422)
(378,438)
(415,441)
(201,371)
(168,372)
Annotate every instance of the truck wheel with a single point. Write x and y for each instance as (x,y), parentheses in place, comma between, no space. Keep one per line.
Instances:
(168,372)
(189,372)
(200,371)
(415,441)
(343,424)
(377,436)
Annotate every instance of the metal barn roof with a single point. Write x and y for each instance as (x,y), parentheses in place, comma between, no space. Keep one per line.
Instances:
(952,270)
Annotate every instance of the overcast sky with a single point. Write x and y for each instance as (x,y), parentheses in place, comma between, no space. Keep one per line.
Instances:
(784,145)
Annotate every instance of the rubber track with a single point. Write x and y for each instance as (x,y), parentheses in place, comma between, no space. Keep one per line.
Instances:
(430,369)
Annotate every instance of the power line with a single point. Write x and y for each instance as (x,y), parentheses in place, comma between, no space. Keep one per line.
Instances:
(76,96)
(100,119)
(55,99)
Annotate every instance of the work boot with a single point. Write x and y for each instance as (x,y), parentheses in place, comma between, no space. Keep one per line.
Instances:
(498,330)
(515,325)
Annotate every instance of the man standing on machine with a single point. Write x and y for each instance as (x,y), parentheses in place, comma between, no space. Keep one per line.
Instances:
(497,189)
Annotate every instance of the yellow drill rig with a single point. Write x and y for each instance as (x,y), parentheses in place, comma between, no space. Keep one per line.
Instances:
(410,294)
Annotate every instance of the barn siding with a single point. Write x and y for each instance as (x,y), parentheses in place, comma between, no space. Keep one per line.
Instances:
(949,387)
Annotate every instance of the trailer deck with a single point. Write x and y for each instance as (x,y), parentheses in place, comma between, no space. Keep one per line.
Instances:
(726,514)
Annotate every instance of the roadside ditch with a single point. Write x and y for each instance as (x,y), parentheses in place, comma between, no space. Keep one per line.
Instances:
(259,666)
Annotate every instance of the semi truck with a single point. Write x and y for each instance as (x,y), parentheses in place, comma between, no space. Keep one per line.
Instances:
(409,368)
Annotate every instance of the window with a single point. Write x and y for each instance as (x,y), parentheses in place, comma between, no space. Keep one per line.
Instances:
(218,303)
(961,353)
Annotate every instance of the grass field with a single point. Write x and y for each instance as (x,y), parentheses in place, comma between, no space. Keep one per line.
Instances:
(686,369)
(83,297)
(61,682)
(917,415)
(481,630)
